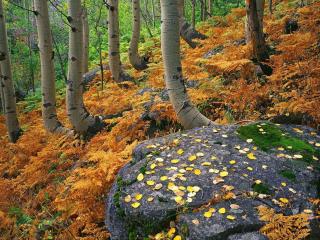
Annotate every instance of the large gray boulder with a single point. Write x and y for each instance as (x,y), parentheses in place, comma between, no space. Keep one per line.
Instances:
(211,180)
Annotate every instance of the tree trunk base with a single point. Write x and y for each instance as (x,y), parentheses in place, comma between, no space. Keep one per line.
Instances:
(142,65)
(124,77)
(188,33)
(14,136)
(95,128)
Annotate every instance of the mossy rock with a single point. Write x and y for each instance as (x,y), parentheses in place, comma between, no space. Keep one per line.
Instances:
(187,173)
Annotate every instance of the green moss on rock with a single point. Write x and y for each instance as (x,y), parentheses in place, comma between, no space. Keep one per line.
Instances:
(288,174)
(261,188)
(273,137)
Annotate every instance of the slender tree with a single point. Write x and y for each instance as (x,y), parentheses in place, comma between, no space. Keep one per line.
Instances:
(85,35)
(193,17)
(209,7)
(153,14)
(9,98)
(259,48)
(188,115)
(187,32)
(260,11)
(255,30)
(270,7)
(138,62)
(49,113)
(3,107)
(117,72)
(79,117)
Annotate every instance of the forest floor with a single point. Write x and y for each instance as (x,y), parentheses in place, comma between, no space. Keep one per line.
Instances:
(52,187)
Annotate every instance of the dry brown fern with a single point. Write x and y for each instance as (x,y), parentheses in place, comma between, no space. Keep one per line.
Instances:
(280,227)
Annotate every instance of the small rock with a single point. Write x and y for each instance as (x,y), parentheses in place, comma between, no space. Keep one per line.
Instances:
(213,52)
(291,26)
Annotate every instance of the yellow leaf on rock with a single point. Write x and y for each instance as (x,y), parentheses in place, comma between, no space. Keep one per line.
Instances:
(231,217)
(195,221)
(140,177)
(179,200)
(171,232)
(222,210)
(127,199)
(224,174)
(135,204)
(150,183)
(284,200)
(178,237)
(163,178)
(207,214)
(180,151)
(192,158)
(206,163)
(251,156)
(138,196)
(234,206)
(232,162)
(175,160)
(158,186)
(197,171)
(200,154)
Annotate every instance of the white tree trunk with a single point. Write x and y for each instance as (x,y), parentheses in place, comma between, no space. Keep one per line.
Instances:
(48,90)
(118,74)
(9,98)
(85,25)
(80,119)
(138,62)
(188,115)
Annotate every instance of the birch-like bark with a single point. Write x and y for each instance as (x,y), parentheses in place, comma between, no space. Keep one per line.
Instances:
(153,14)
(187,32)
(259,48)
(79,117)
(49,114)
(85,35)
(209,7)
(9,98)
(188,115)
(118,74)
(138,62)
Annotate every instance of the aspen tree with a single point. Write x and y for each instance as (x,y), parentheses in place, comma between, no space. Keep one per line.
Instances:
(188,114)
(79,117)
(138,62)
(49,114)
(9,99)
